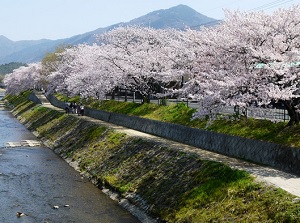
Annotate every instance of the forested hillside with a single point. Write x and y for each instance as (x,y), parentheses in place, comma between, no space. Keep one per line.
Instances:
(9,67)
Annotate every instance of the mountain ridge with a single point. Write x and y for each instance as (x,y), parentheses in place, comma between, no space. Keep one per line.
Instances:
(27,51)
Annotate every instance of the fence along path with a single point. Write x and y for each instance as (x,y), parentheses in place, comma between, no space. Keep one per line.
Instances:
(274,114)
(286,181)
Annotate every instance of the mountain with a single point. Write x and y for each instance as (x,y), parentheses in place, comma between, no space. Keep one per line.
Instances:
(27,51)
(178,17)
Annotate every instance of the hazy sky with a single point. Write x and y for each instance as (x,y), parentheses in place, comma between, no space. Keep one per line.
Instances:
(55,19)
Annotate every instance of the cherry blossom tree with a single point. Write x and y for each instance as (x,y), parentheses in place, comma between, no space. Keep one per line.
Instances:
(249,59)
(140,57)
(52,79)
(86,73)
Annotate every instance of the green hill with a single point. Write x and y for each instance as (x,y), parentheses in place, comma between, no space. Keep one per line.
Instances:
(9,67)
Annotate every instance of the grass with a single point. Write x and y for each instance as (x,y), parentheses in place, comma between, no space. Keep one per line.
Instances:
(171,185)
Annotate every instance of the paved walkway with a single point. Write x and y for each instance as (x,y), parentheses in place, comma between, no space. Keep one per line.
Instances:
(286,181)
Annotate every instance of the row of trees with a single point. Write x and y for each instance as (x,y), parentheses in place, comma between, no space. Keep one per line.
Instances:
(250,59)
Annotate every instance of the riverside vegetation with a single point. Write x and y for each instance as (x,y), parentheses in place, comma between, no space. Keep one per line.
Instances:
(171,185)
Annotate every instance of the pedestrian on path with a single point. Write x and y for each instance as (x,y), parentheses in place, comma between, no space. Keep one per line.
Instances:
(80,109)
(67,107)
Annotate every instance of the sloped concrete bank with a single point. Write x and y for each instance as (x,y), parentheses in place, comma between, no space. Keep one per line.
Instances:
(282,157)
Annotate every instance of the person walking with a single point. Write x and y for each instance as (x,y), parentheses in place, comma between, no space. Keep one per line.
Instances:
(67,108)
(81,109)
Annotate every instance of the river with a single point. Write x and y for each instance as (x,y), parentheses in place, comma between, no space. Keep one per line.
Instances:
(38,183)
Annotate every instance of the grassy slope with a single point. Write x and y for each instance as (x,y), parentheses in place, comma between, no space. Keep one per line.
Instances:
(176,186)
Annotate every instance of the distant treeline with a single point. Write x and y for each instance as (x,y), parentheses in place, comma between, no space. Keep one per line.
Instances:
(8,68)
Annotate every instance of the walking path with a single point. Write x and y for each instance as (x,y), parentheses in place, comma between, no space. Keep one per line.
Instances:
(286,181)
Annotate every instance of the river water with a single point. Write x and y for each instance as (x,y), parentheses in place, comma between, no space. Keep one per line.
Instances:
(34,179)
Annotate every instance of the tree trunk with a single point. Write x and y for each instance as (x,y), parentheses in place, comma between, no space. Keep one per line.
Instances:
(126,95)
(294,115)
(113,95)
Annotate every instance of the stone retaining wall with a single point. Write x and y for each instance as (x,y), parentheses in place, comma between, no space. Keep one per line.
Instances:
(271,154)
